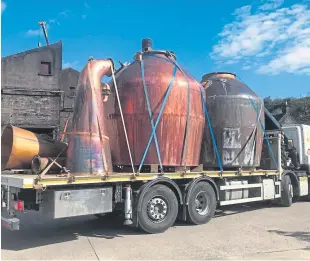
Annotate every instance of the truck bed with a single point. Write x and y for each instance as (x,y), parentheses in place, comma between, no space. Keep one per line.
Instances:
(36,181)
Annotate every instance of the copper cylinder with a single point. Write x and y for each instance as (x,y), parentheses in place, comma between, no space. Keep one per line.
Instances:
(88,142)
(39,164)
(19,146)
(170,132)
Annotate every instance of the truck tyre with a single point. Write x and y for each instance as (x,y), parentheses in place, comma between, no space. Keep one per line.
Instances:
(287,192)
(159,209)
(202,204)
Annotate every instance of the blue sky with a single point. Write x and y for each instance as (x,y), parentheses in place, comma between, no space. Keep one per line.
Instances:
(266,43)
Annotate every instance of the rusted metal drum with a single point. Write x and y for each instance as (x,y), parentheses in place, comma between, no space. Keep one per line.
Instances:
(179,131)
(235,113)
(88,141)
(19,146)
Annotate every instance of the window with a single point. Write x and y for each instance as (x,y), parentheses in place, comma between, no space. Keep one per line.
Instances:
(72,91)
(45,68)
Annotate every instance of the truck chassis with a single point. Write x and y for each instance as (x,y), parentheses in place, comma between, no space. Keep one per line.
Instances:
(152,200)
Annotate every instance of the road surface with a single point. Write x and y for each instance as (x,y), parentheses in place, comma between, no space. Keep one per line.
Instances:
(259,231)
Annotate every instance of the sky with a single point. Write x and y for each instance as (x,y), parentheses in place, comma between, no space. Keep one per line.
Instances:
(266,43)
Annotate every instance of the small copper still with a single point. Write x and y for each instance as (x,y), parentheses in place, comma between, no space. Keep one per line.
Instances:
(88,142)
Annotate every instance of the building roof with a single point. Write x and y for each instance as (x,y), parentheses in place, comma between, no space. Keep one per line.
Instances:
(42,48)
(70,69)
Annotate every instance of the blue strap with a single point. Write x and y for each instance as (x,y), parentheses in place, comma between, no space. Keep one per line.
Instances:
(260,122)
(264,131)
(188,104)
(159,116)
(150,113)
(211,131)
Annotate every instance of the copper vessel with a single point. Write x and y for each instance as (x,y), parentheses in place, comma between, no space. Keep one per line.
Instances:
(88,141)
(39,164)
(235,113)
(19,146)
(183,112)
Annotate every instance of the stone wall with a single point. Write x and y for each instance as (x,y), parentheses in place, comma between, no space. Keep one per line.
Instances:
(68,83)
(30,88)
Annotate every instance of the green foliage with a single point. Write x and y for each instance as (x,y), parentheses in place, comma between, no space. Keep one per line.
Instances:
(300,107)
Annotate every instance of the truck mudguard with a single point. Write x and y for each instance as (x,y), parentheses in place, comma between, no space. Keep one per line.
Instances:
(161,180)
(294,180)
(190,186)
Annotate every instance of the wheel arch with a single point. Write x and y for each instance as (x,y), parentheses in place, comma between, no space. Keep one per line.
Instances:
(294,180)
(163,181)
(191,185)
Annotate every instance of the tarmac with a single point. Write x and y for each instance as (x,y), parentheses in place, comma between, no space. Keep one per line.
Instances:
(258,231)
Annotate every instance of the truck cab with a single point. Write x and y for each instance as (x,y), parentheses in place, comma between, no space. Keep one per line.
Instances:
(300,135)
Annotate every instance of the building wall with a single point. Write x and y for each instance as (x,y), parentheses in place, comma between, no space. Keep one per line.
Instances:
(68,82)
(30,98)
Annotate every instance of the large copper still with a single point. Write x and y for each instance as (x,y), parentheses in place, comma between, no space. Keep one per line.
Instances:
(19,146)
(179,131)
(88,141)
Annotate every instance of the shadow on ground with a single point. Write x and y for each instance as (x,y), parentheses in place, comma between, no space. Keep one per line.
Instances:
(300,235)
(37,231)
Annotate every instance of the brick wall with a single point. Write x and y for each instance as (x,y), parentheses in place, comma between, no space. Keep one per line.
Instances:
(30,99)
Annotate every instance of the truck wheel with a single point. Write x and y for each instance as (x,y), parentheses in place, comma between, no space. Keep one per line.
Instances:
(287,192)
(159,209)
(202,204)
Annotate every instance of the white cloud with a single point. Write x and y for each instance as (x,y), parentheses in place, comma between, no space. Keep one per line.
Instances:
(271,4)
(67,64)
(242,11)
(36,32)
(64,13)
(3,6)
(53,21)
(33,32)
(84,16)
(277,40)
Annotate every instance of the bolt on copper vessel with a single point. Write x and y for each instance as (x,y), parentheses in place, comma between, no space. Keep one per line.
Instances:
(19,146)
(179,131)
(88,142)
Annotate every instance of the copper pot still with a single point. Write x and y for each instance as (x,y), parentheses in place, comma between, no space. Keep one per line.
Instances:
(183,112)
(88,142)
(19,146)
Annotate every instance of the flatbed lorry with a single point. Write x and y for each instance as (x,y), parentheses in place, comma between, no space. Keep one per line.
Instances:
(153,200)
(152,196)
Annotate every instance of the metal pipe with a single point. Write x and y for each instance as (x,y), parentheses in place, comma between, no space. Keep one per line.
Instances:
(19,146)
(8,207)
(44,32)
(147,44)
(123,121)
(279,140)
(39,164)
(128,205)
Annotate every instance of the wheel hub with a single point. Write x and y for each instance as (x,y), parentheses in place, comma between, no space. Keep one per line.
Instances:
(201,203)
(157,209)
